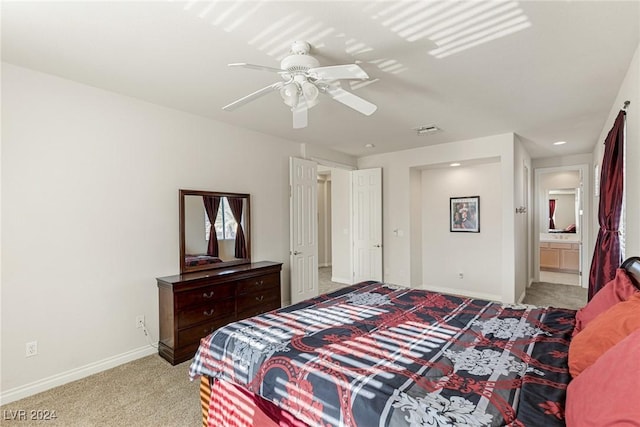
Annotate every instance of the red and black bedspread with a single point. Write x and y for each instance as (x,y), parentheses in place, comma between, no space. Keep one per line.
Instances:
(380,355)
(194,260)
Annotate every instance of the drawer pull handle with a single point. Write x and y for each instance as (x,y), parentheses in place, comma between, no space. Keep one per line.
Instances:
(207,295)
(260,298)
(208,312)
(260,283)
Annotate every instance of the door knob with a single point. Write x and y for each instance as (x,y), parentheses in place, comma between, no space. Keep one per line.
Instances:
(377,246)
(297,253)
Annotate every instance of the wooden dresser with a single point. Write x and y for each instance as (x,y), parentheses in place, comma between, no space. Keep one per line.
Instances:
(192,305)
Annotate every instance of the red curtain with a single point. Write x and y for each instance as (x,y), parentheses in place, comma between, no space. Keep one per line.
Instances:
(606,255)
(211,205)
(552,211)
(236,204)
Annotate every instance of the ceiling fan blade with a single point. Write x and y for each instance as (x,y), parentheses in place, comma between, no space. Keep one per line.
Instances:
(252,96)
(339,72)
(257,67)
(300,115)
(350,100)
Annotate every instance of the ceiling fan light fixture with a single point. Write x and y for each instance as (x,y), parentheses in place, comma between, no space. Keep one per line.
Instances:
(303,79)
(310,93)
(289,94)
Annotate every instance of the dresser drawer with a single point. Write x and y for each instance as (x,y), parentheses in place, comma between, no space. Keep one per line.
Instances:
(260,298)
(193,334)
(212,311)
(259,309)
(259,283)
(204,295)
(560,245)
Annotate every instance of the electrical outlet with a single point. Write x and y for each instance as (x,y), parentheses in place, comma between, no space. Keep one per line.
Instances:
(140,321)
(31,348)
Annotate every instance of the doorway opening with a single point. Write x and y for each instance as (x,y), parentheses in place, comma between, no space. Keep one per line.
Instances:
(561,219)
(349,226)
(326,240)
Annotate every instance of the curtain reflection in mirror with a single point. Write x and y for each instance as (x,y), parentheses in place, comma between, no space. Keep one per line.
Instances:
(236,204)
(211,205)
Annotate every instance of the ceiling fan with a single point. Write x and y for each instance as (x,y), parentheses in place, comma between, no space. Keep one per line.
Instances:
(303,81)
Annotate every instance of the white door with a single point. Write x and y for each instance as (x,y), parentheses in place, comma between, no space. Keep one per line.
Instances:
(304,229)
(367,224)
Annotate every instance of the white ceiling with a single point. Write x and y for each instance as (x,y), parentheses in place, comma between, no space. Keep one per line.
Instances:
(546,70)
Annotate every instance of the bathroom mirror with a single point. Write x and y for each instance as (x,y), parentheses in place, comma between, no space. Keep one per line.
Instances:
(563,210)
(215,229)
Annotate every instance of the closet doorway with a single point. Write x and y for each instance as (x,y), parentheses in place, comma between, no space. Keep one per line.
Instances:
(349,226)
(334,228)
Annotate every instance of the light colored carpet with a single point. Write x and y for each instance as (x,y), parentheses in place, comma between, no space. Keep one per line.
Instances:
(325,284)
(151,392)
(556,295)
(145,392)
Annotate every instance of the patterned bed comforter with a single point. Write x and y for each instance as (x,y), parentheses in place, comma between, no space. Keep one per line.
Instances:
(380,355)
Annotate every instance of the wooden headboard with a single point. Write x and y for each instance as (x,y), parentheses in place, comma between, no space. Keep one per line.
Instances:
(632,265)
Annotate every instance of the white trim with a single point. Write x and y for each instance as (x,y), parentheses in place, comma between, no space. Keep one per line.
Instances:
(48,383)
(522,296)
(332,164)
(341,280)
(463,292)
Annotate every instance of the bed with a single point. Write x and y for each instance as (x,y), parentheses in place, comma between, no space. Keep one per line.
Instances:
(194,260)
(374,354)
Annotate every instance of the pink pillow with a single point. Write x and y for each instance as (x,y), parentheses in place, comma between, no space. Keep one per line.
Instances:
(605,331)
(607,394)
(620,288)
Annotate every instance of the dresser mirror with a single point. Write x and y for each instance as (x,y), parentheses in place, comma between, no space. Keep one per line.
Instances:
(215,230)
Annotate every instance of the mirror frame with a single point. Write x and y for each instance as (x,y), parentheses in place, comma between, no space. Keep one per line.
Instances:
(246,228)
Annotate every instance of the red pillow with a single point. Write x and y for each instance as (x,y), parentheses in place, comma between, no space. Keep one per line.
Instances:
(602,333)
(607,394)
(620,288)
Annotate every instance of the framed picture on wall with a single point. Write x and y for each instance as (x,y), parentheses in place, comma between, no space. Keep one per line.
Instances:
(464,214)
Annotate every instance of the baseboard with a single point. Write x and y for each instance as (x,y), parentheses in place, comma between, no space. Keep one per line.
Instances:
(341,280)
(48,383)
(463,292)
(522,296)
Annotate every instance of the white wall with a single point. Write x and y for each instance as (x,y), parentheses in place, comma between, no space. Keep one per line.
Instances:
(400,262)
(629,91)
(90,185)
(565,212)
(446,254)
(194,230)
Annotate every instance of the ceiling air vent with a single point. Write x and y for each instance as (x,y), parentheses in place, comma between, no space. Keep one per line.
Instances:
(427,130)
